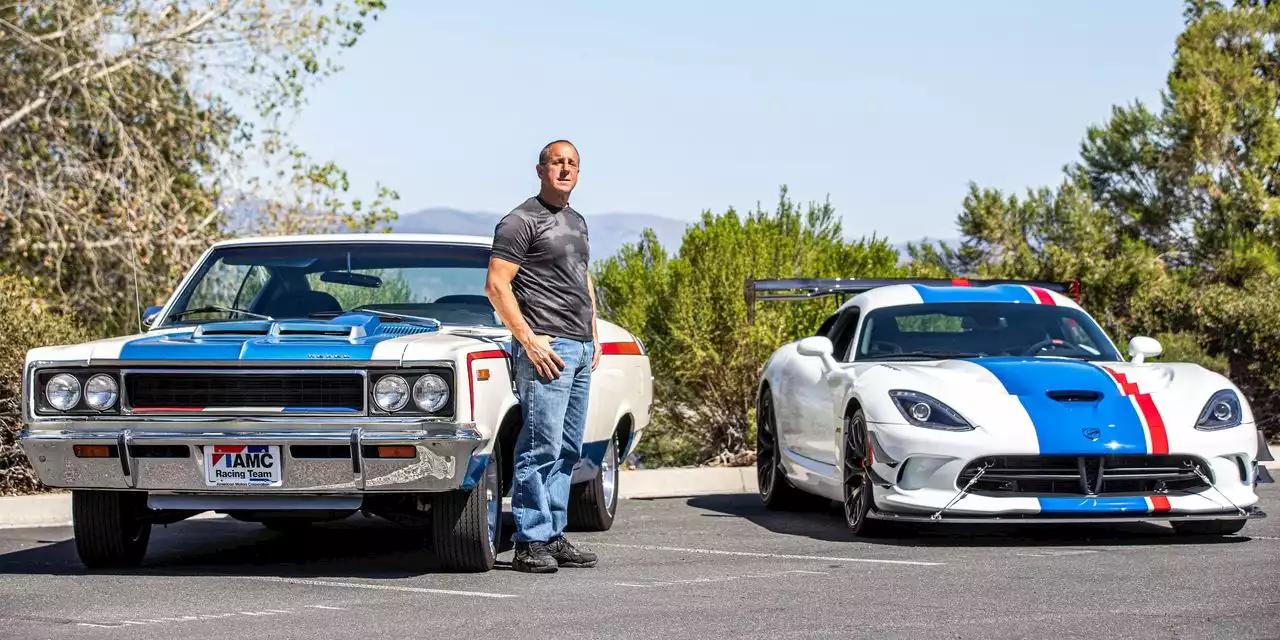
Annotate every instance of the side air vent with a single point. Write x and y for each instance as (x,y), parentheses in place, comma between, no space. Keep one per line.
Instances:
(1075,396)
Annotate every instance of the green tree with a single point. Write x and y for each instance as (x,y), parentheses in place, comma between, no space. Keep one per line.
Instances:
(1168,217)
(127,129)
(690,311)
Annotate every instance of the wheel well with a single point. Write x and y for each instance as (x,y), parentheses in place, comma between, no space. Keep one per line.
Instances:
(623,431)
(853,406)
(507,434)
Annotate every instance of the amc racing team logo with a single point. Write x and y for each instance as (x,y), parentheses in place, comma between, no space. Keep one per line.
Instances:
(253,463)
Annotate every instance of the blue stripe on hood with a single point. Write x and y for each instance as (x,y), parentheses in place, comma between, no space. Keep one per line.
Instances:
(253,345)
(1060,426)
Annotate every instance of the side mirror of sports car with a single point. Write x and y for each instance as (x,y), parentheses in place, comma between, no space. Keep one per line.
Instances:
(1142,347)
(815,346)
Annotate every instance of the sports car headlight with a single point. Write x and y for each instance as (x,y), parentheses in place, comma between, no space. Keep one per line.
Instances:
(926,411)
(391,393)
(430,393)
(1221,412)
(62,392)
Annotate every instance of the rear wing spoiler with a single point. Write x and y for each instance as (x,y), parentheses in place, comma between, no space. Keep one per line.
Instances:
(810,288)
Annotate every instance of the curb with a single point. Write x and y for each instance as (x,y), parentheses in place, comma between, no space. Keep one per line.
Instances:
(54,510)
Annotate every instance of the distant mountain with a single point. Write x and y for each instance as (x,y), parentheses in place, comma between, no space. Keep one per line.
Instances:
(609,231)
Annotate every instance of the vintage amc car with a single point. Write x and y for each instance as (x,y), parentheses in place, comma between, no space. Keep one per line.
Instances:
(294,380)
(995,401)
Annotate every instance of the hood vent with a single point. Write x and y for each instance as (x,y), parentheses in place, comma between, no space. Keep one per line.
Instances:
(1082,395)
(232,329)
(350,332)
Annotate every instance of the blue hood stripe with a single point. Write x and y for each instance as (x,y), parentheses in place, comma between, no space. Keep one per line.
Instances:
(1060,426)
(228,347)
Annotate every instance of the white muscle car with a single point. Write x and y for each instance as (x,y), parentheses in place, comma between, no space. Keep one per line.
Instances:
(994,401)
(293,380)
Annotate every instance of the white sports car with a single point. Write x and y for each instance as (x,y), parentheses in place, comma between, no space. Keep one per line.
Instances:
(995,401)
(300,379)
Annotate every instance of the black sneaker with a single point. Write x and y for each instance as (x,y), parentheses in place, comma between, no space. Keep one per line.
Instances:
(533,557)
(569,556)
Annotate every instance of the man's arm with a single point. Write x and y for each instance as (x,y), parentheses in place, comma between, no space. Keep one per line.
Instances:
(595,334)
(498,287)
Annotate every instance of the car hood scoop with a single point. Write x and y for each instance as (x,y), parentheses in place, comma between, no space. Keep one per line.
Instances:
(1075,407)
(351,336)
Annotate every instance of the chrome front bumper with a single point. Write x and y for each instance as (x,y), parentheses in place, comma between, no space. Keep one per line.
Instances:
(447,456)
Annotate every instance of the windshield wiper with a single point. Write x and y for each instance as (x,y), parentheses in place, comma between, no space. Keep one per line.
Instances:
(922,355)
(435,324)
(213,307)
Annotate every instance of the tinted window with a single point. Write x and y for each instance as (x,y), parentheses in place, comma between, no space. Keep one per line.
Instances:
(973,329)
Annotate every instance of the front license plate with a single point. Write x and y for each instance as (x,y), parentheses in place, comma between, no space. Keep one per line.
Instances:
(245,464)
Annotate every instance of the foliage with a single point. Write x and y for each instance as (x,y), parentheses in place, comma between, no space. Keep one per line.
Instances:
(129,133)
(28,322)
(1169,218)
(690,312)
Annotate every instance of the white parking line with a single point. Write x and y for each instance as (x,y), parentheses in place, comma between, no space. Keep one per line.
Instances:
(748,554)
(664,583)
(380,587)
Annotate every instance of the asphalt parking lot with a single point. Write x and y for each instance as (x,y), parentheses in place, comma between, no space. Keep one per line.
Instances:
(705,567)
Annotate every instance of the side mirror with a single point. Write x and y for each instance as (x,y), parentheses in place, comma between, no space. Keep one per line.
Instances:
(150,315)
(815,346)
(1142,347)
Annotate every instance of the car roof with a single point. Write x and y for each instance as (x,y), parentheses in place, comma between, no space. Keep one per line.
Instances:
(391,238)
(914,294)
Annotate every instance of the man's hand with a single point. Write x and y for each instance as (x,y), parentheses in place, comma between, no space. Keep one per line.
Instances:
(544,358)
(595,353)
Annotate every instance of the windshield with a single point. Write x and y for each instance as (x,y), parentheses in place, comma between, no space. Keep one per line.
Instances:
(295,281)
(980,329)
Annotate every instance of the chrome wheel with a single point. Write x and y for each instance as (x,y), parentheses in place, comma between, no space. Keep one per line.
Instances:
(609,474)
(493,502)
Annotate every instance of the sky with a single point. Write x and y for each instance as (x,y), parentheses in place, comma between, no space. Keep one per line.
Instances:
(680,106)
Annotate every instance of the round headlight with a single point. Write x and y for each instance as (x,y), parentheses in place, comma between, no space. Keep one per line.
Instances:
(62,391)
(430,393)
(921,411)
(391,393)
(101,392)
(1222,411)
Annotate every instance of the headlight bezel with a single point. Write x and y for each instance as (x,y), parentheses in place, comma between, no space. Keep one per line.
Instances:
(1206,420)
(42,408)
(939,417)
(411,377)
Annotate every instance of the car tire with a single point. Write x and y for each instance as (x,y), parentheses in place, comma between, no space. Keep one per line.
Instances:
(466,525)
(858,488)
(1208,527)
(776,492)
(593,504)
(110,528)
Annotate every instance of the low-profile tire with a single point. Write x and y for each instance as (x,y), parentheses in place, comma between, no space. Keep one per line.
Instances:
(467,524)
(1209,527)
(110,528)
(593,504)
(776,492)
(858,488)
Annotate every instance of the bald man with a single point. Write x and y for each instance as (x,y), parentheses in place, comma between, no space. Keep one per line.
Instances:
(540,287)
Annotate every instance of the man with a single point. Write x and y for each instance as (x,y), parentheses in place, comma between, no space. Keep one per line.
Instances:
(540,287)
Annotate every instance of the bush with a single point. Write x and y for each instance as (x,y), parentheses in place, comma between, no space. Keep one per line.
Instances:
(690,312)
(26,322)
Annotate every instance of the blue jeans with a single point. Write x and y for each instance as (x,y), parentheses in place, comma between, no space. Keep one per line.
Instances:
(550,443)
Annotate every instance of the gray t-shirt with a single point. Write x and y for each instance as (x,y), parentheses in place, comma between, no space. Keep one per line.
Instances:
(551,247)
